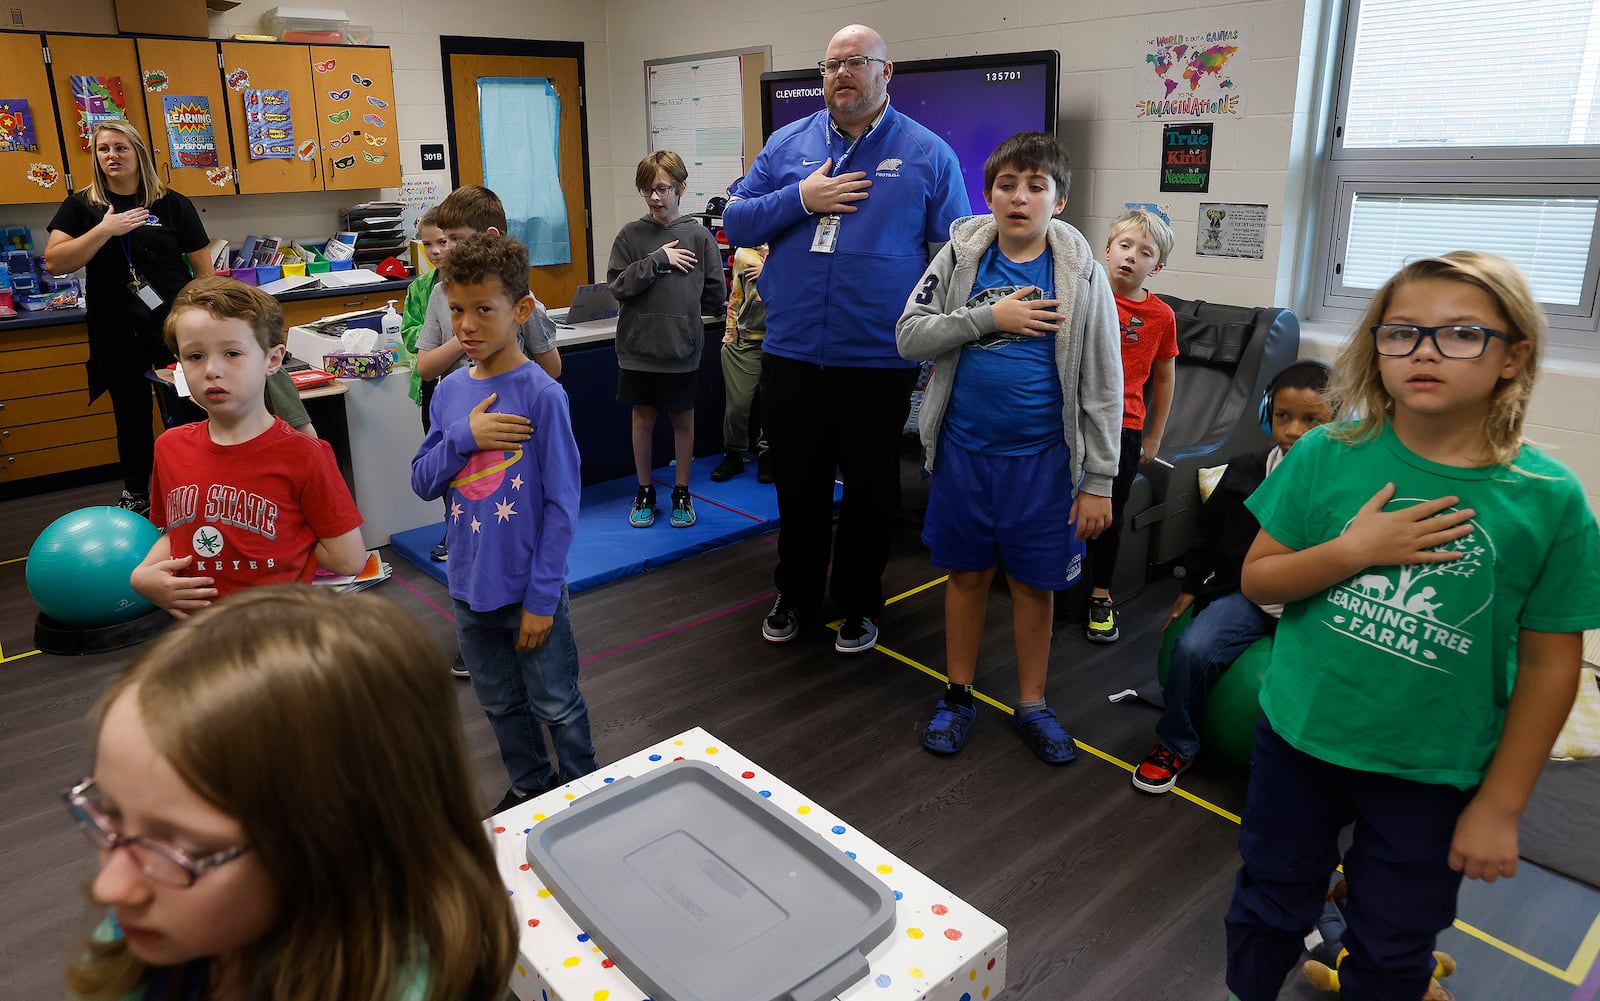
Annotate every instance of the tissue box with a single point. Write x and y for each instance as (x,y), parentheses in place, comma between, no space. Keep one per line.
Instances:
(367,366)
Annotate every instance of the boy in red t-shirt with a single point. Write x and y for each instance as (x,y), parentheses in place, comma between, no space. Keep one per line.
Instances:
(1137,248)
(241,498)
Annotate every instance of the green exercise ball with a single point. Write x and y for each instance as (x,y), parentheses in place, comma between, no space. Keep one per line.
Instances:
(79,565)
(1228,730)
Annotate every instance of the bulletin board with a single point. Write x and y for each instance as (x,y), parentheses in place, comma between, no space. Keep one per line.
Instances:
(707,109)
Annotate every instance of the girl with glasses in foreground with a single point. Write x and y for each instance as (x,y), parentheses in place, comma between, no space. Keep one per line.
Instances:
(1438,573)
(282,809)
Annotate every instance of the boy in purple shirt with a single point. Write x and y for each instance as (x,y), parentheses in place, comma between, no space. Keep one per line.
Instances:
(501,452)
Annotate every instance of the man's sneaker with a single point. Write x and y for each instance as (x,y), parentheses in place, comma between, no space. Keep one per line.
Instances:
(682,507)
(764,467)
(1158,771)
(1102,627)
(732,465)
(510,799)
(1045,737)
(441,552)
(458,667)
(782,623)
(946,733)
(643,514)
(857,634)
(139,505)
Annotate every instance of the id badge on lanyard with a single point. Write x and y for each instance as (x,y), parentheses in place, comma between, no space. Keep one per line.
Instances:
(826,238)
(141,289)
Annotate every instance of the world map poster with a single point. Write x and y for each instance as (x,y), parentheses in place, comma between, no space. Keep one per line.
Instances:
(1191,74)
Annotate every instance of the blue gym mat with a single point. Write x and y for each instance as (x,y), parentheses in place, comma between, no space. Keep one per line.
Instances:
(606,548)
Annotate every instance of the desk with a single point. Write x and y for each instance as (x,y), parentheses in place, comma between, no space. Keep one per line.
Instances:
(941,949)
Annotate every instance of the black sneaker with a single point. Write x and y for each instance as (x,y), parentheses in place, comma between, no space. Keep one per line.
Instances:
(458,667)
(1102,626)
(510,799)
(857,634)
(441,552)
(138,504)
(764,467)
(732,465)
(782,623)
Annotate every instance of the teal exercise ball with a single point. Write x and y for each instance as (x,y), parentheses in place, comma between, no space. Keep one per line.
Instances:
(1228,729)
(79,565)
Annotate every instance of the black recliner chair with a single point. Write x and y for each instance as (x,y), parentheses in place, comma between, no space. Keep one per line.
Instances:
(1226,357)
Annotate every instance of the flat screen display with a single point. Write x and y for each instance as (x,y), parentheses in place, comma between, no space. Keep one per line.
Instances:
(972,102)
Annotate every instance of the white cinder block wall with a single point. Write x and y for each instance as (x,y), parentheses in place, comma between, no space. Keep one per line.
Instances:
(1259,158)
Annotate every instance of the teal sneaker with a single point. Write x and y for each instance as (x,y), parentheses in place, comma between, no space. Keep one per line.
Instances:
(682,507)
(643,514)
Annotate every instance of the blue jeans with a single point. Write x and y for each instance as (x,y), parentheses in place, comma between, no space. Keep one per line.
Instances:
(1402,889)
(1214,639)
(520,690)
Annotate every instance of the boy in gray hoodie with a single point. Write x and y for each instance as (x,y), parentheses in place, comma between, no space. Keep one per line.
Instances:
(665,272)
(1022,416)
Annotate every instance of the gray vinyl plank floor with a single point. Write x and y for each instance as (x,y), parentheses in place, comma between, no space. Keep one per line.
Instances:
(1107,894)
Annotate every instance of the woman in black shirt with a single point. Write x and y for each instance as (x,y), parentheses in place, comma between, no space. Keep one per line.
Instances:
(140,243)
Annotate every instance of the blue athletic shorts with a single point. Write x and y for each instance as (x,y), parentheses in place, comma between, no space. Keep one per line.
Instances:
(985,510)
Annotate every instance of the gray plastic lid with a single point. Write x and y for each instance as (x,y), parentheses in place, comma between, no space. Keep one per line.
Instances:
(701,890)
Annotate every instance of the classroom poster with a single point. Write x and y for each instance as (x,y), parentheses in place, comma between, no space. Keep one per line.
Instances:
(1186,157)
(1231,229)
(17,133)
(268,125)
(97,99)
(1191,74)
(191,135)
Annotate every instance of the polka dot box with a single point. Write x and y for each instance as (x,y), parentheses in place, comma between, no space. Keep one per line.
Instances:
(942,949)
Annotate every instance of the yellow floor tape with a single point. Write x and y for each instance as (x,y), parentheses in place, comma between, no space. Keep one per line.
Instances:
(1582,960)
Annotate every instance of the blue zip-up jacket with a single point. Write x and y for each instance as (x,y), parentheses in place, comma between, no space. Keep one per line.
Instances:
(841,308)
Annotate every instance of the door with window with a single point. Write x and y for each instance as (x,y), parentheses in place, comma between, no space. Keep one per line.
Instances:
(530,94)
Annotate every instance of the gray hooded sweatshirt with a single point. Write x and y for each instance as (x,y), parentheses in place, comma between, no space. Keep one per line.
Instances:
(659,327)
(938,323)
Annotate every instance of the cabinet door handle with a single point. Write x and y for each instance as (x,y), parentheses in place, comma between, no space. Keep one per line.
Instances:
(357,302)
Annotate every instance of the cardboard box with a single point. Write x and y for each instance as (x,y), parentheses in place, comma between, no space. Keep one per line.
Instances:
(96,17)
(185,18)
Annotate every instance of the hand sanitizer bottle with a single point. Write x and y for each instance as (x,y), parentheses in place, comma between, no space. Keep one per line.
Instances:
(390,341)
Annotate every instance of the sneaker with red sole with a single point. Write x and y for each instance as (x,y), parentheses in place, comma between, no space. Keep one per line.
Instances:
(1159,771)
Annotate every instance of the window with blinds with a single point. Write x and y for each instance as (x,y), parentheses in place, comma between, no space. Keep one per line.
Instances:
(1468,124)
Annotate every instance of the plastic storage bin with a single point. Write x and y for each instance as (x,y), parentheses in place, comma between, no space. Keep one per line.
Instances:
(326,25)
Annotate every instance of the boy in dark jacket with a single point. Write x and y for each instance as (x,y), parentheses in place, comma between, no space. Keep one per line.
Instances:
(666,272)
(1225,621)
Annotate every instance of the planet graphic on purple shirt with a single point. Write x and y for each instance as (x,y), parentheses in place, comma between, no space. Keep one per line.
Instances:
(484,472)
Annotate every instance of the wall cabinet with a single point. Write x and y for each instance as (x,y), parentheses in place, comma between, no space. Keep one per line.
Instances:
(31,166)
(289,127)
(115,61)
(176,68)
(355,110)
(340,100)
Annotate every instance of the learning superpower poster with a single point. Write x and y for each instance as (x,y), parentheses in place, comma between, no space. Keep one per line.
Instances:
(191,134)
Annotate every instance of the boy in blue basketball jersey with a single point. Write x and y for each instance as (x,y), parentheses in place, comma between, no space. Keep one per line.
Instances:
(1023,417)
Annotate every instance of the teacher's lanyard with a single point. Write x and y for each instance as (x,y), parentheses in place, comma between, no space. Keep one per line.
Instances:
(825,240)
(127,254)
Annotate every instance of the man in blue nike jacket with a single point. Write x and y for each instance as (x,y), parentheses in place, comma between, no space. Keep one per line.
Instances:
(852,200)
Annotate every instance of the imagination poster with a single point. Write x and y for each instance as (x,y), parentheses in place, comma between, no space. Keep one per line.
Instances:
(191,136)
(97,99)
(1191,74)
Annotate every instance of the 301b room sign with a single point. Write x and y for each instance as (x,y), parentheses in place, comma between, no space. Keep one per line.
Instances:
(1186,157)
